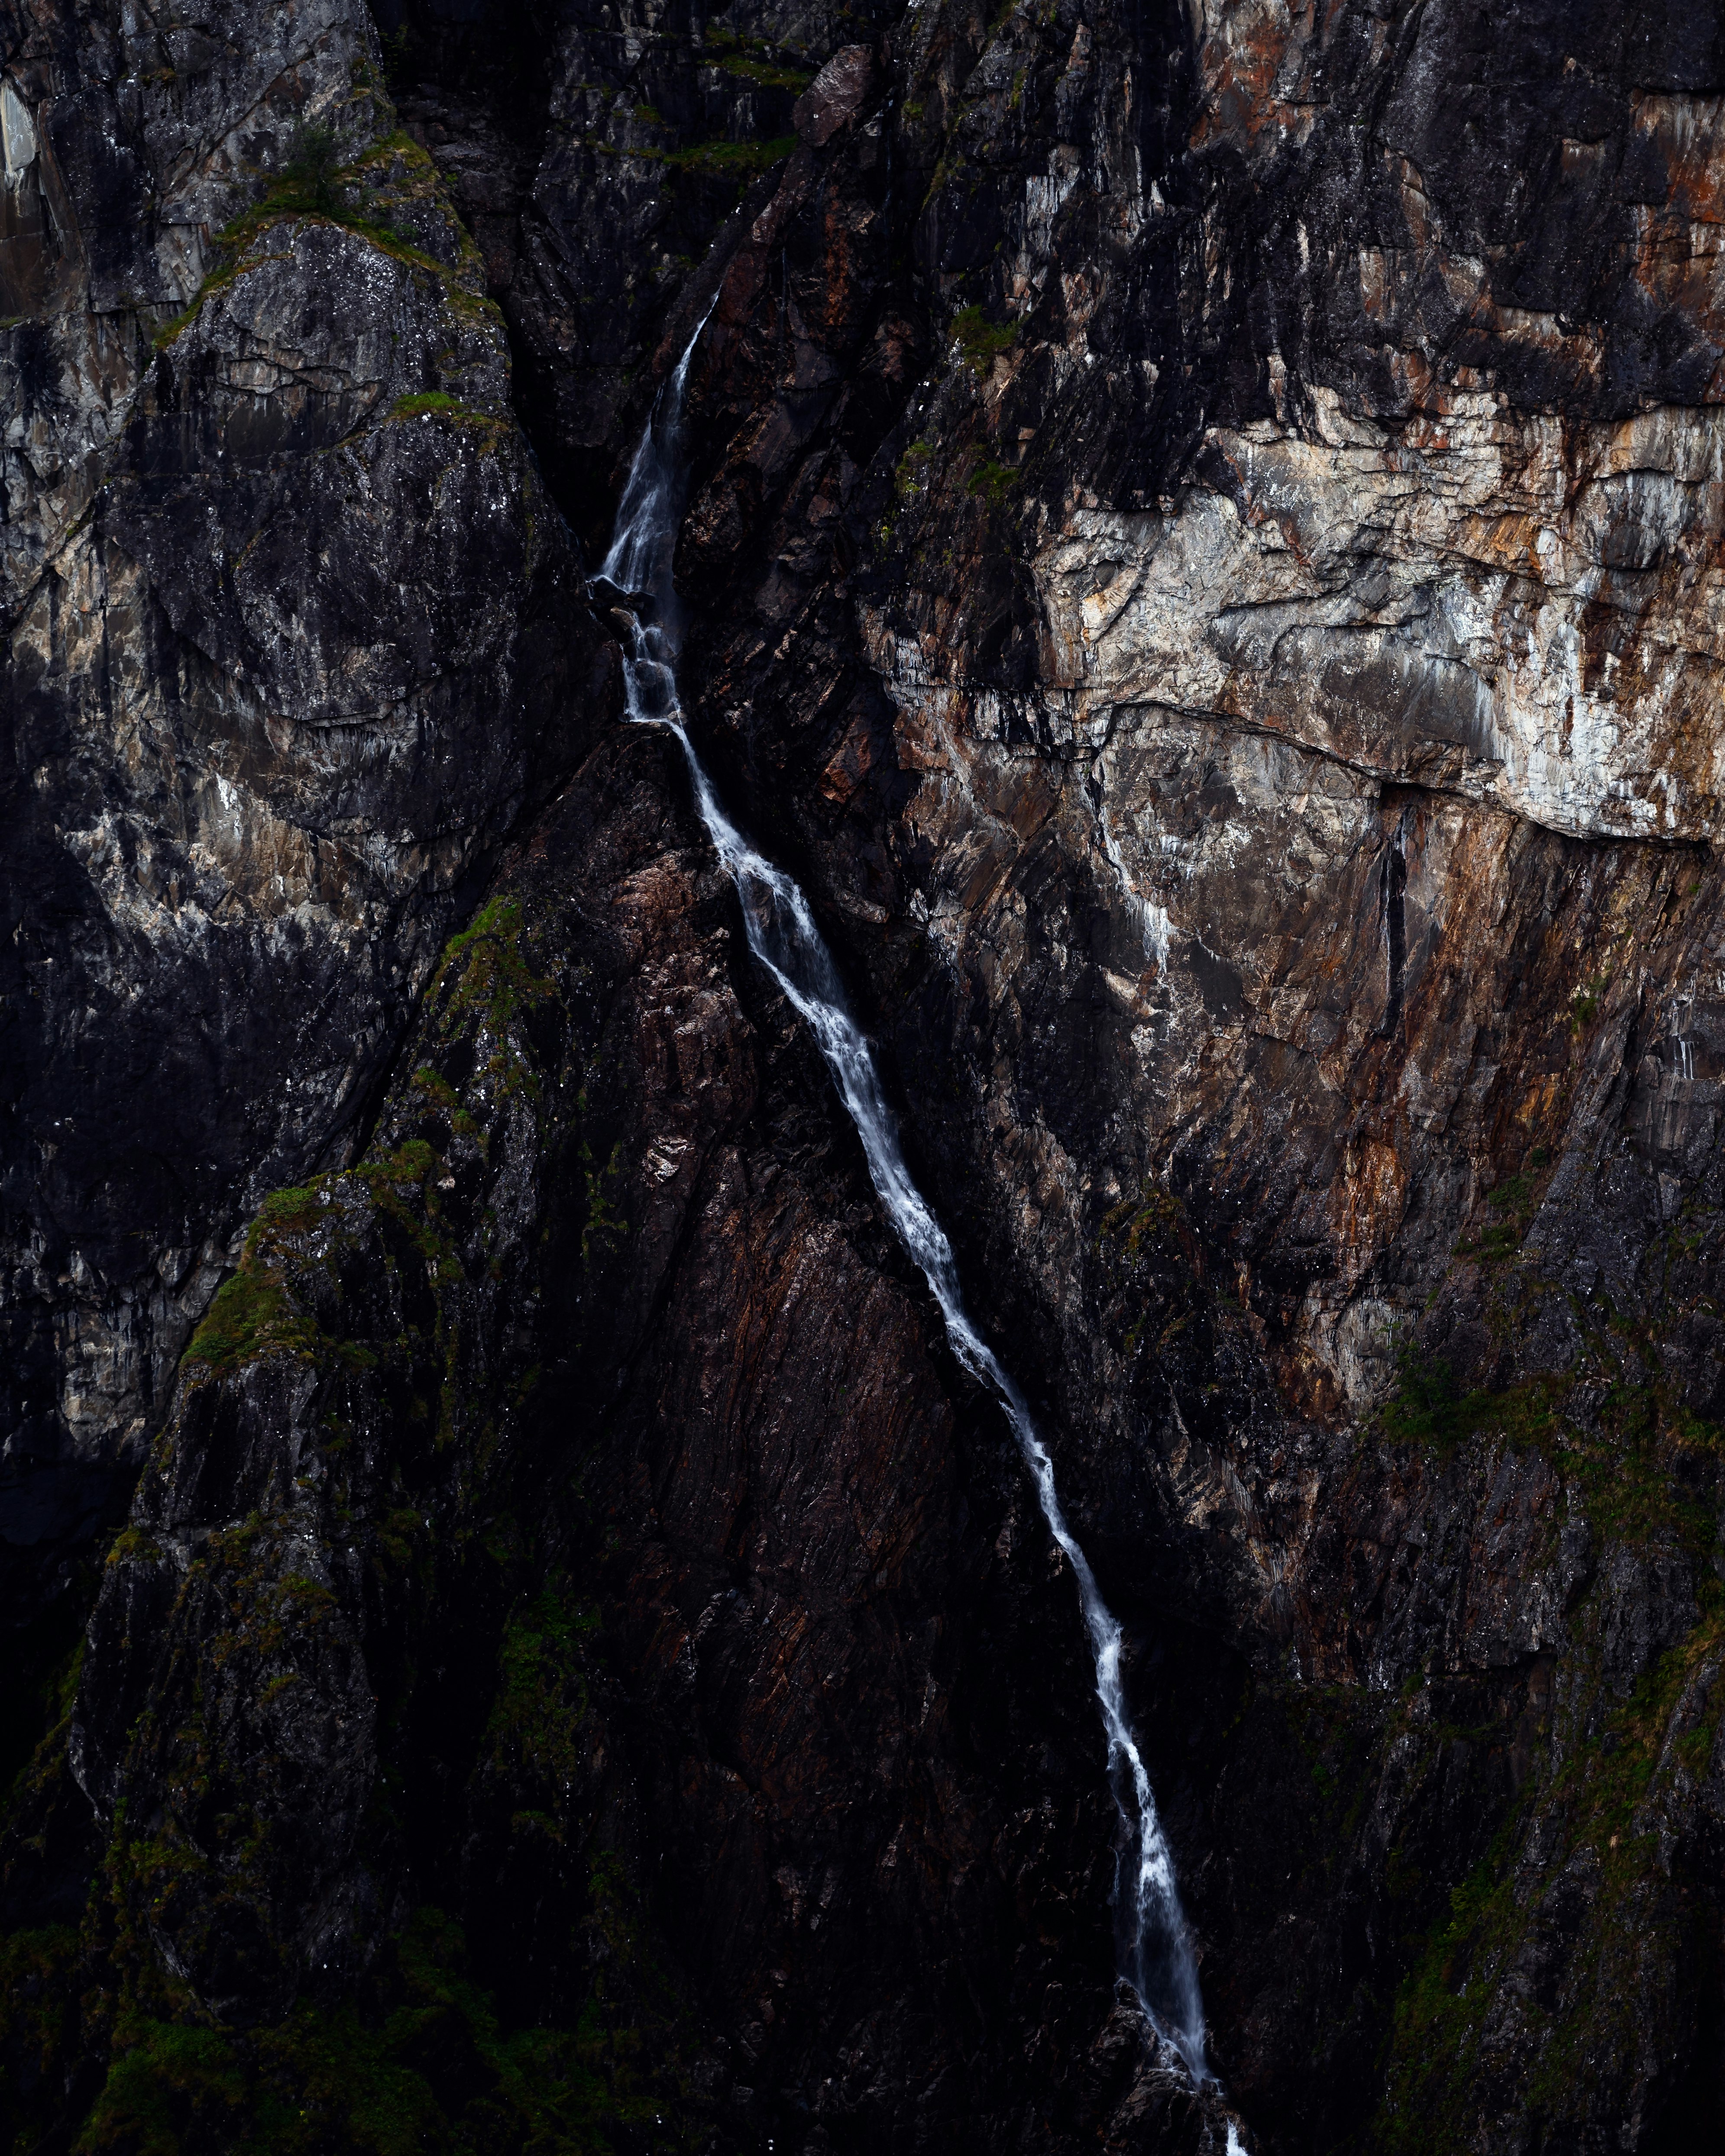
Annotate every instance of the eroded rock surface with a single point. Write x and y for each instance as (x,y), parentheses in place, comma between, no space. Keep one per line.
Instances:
(1202,554)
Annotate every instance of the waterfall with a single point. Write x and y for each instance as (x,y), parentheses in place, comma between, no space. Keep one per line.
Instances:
(782,934)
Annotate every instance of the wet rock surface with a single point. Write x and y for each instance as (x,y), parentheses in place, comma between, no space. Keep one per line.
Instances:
(1201,554)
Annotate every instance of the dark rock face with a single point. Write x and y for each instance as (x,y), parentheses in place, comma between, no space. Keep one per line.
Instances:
(267,557)
(1202,553)
(505,1476)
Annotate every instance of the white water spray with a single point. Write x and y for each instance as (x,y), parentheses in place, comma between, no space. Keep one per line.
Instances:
(782,935)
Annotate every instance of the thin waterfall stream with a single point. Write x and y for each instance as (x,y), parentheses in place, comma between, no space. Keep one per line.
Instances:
(782,933)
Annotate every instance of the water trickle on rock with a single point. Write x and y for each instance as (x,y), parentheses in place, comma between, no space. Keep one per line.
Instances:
(782,934)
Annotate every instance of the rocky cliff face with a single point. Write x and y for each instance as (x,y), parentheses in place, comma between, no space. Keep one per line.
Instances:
(273,542)
(1202,553)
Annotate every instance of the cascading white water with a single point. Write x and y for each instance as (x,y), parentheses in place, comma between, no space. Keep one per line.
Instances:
(782,935)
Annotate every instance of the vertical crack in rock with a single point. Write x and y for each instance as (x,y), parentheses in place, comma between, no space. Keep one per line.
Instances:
(1395,929)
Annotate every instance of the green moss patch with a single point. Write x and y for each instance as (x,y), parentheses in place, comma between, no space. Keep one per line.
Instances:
(912,468)
(1154,1217)
(426,403)
(436,404)
(769,74)
(755,60)
(252,1315)
(486,986)
(737,161)
(1428,1407)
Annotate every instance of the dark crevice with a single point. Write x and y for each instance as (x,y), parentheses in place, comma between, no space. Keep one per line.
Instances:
(1394,884)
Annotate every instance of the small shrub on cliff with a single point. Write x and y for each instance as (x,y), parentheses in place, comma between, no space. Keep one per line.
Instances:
(399,56)
(912,468)
(1511,1203)
(1585,1003)
(1153,1216)
(992,481)
(980,340)
(310,173)
(1427,1405)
